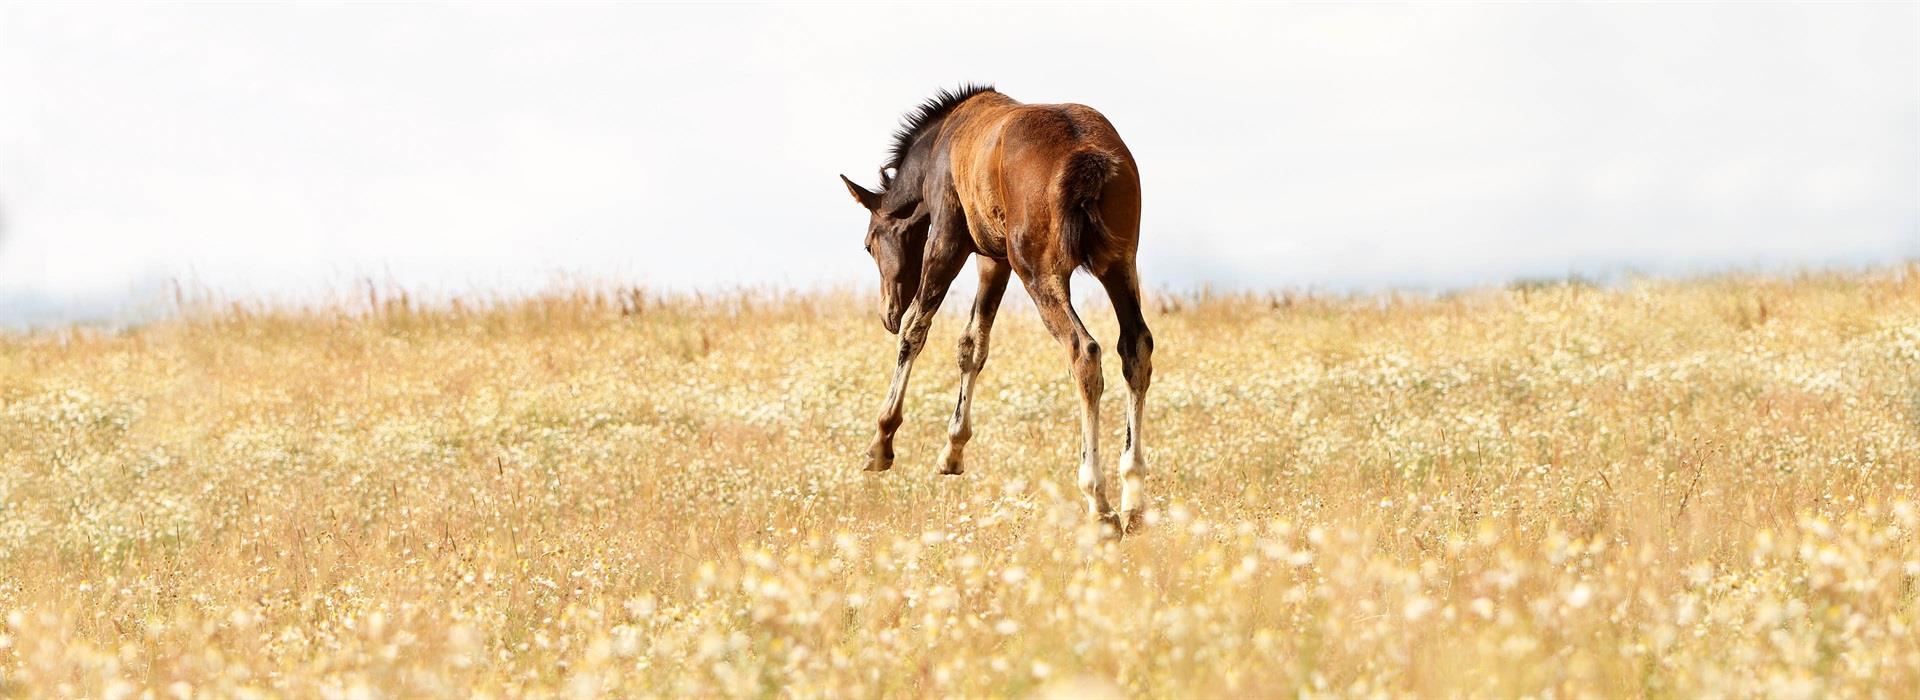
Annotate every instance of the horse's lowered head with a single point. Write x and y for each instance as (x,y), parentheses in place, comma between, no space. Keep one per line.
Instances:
(896,238)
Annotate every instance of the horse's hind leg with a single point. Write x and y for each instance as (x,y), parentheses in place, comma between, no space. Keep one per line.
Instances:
(973,356)
(1051,297)
(1136,364)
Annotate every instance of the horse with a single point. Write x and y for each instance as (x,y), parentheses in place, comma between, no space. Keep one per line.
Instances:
(1034,190)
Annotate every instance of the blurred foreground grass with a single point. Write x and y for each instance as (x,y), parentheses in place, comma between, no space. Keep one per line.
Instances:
(1667,489)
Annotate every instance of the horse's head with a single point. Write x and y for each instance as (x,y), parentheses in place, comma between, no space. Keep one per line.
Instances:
(896,238)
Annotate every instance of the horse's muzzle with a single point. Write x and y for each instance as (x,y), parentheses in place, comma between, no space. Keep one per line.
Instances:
(890,312)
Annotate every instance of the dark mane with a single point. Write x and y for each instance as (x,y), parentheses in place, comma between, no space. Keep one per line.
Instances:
(918,118)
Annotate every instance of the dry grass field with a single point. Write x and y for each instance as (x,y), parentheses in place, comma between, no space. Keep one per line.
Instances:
(1661,489)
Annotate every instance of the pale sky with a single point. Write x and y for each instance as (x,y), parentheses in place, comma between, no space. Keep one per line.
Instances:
(286,150)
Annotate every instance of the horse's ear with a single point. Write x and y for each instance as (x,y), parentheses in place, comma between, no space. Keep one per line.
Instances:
(870,200)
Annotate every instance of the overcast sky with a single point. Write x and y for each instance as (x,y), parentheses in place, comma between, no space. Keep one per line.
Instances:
(279,150)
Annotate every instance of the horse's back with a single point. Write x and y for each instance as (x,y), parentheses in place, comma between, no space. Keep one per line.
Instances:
(1059,129)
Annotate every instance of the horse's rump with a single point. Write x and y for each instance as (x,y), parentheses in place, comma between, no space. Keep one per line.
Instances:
(1084,238)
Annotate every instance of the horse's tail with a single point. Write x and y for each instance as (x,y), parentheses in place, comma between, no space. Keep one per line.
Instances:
(1083,236)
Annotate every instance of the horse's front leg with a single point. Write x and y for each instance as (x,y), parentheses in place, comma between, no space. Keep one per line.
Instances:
(913,336)
(973,356)
(939,269)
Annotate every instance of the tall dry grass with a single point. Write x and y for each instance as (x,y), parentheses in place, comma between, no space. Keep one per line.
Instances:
(1685,489)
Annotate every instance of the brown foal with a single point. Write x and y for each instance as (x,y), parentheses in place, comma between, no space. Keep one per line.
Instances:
(1033,190)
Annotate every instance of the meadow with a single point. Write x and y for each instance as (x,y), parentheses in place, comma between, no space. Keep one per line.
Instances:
(1684,489)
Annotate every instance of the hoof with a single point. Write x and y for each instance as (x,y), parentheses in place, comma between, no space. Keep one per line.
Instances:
(878,461)
(1133,521)
(1110,526)
(950,464)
